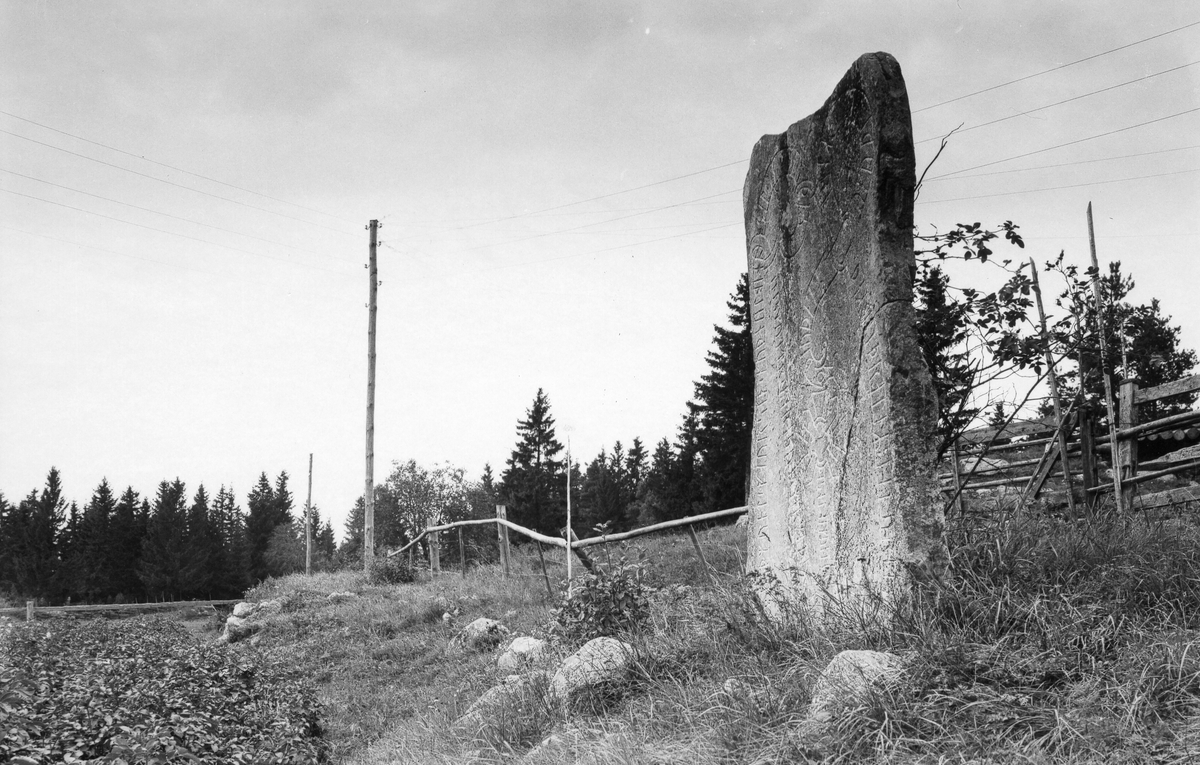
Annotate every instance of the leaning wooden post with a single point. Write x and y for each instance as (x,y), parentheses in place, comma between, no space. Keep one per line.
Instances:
(29,606)
(1125,461)
(1058,409)
(954,458)
(1118,493)
(502,537)
(462,553)
(699,553)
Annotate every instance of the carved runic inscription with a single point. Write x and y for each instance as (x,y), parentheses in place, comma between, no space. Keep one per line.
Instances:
(843,495)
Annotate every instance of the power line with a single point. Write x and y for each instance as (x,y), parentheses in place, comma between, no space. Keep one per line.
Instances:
(1068,143)
(1066,164)
(1056,68)
(1060,103)
(171,233)
(170,183)
(601,222)
(610,194)
(170,167)
(111,252)
(1058,188)
(607,249)
(168,215)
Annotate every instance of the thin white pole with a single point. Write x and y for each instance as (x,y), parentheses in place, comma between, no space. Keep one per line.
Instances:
(569,535)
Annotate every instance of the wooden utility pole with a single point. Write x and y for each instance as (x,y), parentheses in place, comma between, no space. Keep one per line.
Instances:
(1058,410)
(369,491)
(1108,393)
(308,523)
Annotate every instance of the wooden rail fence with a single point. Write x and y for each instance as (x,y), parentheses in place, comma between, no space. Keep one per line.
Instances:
(1077,432)
(31,608)
(576,546)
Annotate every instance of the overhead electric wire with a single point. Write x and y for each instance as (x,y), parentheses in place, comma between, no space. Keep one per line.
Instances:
(1056,68)
(1068,143)
(610,194)
(171,233)
(601,222)
(112,252)
(1065,164)
(1058,103)
(170,183)
(171,167)
(1059,188)
(170,215)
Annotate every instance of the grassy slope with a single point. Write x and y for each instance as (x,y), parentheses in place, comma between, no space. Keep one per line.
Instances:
(1051,641)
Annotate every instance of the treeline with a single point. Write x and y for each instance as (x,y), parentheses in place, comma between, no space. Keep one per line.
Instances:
(173,546)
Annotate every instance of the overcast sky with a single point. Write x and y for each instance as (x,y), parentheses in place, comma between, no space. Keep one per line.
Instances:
(185,186)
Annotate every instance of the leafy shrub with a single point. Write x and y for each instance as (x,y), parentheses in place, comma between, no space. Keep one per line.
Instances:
(604,603)
(144,690)
(393,570)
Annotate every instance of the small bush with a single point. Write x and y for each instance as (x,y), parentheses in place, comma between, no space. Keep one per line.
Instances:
(393,570)
(604,603)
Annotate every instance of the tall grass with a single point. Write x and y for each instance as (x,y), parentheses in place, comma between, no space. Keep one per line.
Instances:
(1049,640)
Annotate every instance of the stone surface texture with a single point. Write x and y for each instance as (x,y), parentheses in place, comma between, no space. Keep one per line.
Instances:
(480,635)
(849,680)
(522,653)
(600,660)
(843,498)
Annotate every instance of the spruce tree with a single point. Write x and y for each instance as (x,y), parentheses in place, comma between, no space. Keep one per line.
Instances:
(164,549)
(95,561)
(534,482)
(268,507)
(203,557)
(723,409)
(125,534)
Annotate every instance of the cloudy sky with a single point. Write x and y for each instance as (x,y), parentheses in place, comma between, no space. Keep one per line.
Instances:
(184,189)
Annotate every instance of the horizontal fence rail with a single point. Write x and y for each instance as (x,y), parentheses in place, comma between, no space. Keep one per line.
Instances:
(29,608)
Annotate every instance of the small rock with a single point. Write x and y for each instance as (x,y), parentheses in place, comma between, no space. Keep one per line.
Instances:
(481,635)
(850,679)
(270,607)
(256,638)
(600,660)
(446,617)
(237,628)
(742,521)
(339,596)
(242,610)
(523,652)
(508,709)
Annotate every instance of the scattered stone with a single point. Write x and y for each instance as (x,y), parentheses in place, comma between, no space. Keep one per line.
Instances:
(843,497)
(242,610)
(480,635)
(522,653)
(850,679)
(446,617)
(340,596)
(600,661)
(741,522)
(508,711)
(238,628)
(268,607)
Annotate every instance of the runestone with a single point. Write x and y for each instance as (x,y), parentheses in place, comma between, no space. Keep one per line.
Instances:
(844,508)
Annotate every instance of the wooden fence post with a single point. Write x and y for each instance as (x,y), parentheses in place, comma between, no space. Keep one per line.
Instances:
(29,606)
(502,537)
(1126,459)
(700,553)
(435,554)
(462,553)
(954,458)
